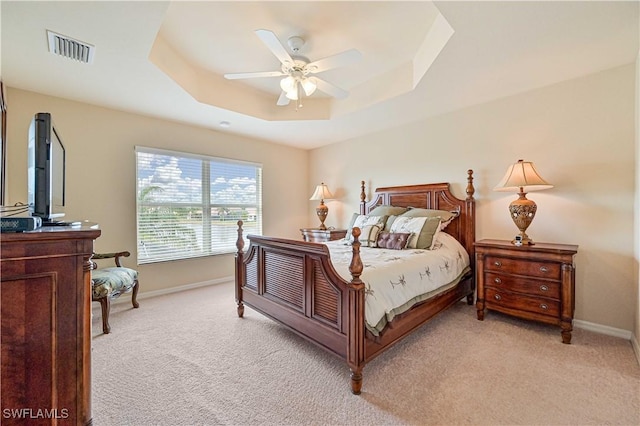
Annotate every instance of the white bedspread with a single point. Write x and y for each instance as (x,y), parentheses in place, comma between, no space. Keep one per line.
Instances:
(396,279)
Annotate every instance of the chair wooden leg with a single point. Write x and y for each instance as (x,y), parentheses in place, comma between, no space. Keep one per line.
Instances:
(134,296)
(105,304)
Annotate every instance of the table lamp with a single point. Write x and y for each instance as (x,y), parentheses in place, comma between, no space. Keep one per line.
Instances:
(522,177)
(322,193)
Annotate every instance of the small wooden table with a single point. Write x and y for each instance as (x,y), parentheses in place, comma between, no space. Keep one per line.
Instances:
(316,235)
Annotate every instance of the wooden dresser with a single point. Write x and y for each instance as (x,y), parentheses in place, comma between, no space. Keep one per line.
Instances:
(535,282)
(316,235)
(45,317)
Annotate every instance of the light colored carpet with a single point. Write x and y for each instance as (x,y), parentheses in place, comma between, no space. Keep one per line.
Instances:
(187,359)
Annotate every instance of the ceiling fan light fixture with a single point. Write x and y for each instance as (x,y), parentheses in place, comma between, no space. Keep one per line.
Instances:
(309,86)
(288,84)
(295,83)
(293,93)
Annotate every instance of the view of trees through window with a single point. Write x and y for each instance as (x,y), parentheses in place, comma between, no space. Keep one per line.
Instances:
(188,205)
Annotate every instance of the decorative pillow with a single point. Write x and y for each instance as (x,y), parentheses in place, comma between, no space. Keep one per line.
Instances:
(423,229)
(446,217)
(386,210)
(389,222)
(369,235)
(393,240)
(365,220)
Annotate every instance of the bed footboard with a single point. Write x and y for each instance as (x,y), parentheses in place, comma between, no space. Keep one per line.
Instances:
(294,283)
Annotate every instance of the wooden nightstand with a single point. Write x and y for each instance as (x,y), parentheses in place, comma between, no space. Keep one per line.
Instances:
(316,235)
(535,282)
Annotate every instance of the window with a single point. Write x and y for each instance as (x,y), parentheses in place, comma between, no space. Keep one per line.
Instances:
(188,205)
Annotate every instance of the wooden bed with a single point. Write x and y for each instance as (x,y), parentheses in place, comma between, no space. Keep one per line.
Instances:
(294,282)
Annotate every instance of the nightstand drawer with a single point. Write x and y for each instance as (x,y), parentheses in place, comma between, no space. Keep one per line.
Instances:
(533,287)
(529,268)
(540,305)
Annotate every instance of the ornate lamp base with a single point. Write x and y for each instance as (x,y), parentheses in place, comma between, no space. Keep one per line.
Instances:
(322,212)
(522,212)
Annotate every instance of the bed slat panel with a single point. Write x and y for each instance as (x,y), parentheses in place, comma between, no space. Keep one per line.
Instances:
(283,278)
(252,274)
(326,304)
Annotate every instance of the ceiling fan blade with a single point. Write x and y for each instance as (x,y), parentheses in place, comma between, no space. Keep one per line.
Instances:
(239,75)
(343,59)
(330,89)
(283,100)
(272,42)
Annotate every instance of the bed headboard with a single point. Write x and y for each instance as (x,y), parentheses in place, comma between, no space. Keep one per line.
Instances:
(432,196)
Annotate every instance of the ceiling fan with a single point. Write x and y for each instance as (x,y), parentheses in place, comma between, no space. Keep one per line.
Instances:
(300,73)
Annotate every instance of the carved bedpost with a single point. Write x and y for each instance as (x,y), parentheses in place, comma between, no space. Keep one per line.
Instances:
(363,197)
(470,189)
(469,232)
(356,332)
(239,269)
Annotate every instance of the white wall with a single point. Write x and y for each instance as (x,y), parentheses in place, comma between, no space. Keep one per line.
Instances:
(101,184)
(580,136)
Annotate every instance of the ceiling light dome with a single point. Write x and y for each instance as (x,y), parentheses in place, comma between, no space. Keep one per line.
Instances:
(287,84)
(309,86)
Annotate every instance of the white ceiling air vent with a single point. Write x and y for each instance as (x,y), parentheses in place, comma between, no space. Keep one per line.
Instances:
(70,48)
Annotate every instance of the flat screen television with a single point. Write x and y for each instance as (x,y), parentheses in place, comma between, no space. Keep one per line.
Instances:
(46,170)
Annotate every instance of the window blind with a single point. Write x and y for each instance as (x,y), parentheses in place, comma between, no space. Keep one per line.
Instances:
(188,204)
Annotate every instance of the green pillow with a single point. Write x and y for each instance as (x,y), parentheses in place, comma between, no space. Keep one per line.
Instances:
(428,233)
(444,215)
(386,210)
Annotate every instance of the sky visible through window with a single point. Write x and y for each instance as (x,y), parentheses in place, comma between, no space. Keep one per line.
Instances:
(181,180)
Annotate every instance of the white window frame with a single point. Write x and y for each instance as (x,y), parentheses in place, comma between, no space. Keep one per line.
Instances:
(169,236)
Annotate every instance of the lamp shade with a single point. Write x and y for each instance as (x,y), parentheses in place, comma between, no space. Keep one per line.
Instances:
(522,177)
(321,193)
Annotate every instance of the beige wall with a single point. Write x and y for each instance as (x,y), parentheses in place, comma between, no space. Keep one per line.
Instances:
(101,176)
(579,134)
(637,216)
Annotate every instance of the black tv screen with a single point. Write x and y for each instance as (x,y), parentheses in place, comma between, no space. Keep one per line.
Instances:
(46,169)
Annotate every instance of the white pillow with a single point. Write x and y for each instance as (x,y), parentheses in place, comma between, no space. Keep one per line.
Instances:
(365,220)
(412,225)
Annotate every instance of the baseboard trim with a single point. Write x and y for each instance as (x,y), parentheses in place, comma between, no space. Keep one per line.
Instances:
(603,329)
(126,298)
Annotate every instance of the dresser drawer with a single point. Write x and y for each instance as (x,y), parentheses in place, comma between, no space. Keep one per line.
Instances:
(529,268)
(533,287)
(539,305)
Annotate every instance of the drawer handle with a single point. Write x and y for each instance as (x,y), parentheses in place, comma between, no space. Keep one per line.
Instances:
(497,280)
(544,306)
(544,269)
(497,297)
(497,263)
(544,288)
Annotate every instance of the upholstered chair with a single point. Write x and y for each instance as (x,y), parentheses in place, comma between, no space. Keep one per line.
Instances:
(109,283)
